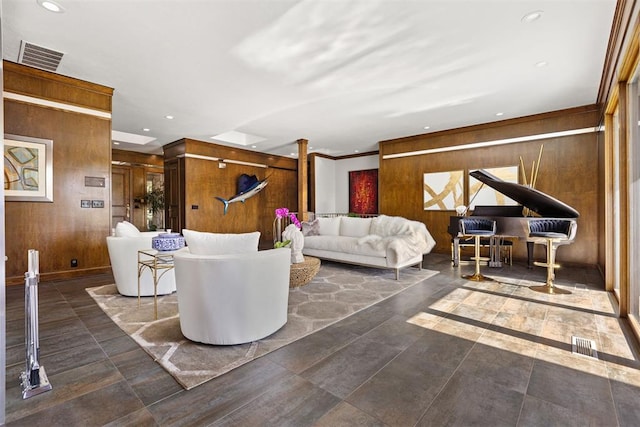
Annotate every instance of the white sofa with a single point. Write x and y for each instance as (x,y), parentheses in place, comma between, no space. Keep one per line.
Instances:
(123,253)
(232,299)
(382,241)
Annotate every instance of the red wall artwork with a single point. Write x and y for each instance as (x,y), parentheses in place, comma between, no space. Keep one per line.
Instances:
(363,191)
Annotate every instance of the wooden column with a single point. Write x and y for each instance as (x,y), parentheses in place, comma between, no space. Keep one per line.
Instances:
(303,175)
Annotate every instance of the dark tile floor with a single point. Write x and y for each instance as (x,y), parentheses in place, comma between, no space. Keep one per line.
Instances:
(443,352)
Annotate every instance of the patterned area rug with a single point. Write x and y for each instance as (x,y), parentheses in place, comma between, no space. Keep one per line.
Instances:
(337,291)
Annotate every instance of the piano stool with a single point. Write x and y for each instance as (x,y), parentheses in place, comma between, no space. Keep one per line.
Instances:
(477,228)
(506,249)
(551,233)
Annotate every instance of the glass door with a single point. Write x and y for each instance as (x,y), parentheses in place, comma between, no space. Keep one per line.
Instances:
(154,199)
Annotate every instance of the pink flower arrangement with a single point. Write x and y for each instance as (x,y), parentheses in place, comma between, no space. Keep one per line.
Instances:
(284,212)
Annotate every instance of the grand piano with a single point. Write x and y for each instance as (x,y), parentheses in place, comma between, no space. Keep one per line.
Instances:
(510,220)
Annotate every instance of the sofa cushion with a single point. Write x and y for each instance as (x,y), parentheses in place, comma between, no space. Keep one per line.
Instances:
(329,226)
(311,228)
(202,243)
(354,227)
(126,229)
(343,244)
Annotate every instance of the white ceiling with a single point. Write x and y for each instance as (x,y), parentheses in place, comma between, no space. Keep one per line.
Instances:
(342,74)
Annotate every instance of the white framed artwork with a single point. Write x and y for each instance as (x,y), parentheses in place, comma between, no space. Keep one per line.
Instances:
(443,190)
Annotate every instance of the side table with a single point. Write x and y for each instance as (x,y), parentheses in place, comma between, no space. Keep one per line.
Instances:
(303,272)
(158,262)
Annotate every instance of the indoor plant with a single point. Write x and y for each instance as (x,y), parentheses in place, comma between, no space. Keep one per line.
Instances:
(154,200)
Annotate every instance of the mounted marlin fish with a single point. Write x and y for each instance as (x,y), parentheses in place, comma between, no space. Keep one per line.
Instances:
(248,186)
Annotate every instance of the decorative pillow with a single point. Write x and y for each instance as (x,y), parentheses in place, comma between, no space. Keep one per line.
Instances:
(201,243)
(126,229)
(329,226)
(354,227)
(311,228)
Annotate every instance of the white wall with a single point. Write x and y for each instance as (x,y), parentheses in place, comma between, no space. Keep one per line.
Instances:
(332,181)
(325,173)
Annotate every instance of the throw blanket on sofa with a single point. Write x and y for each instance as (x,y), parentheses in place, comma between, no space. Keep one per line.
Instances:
(403,239)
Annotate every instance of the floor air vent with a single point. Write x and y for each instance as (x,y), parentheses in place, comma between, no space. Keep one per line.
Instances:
(39,57)
(584,347)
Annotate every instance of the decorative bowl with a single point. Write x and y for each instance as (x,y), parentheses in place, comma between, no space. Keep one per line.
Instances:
(167,242)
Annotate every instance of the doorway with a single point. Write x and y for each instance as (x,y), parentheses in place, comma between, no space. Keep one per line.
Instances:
(120,195)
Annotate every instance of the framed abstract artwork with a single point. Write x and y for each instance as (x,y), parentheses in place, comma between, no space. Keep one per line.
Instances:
(28,169)
(363,191)
(443,190)
(487,196)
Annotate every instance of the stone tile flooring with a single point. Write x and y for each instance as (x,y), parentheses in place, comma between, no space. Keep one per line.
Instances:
(443,352)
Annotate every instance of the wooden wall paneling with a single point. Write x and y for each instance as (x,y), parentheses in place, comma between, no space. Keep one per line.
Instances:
(174,194)
(555,121)
(137,159)
(568,169)
(203,180)
(61,230)
(303,176)
(30,81)
(138,190)
(283,193)
(186,147)
(624,20)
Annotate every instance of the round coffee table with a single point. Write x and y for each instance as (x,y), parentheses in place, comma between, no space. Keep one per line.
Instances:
(303,272)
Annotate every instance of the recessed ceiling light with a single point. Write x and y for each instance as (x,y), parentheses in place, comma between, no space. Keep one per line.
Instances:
(532,16)
(168,117)
(427,127)
(146,129)
(51,6)
(541,64)
(116,143)
(253,146)
(293,154)
(356,151)
(499,114)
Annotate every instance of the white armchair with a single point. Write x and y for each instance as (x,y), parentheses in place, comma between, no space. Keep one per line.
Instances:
(123,253)
(232,299)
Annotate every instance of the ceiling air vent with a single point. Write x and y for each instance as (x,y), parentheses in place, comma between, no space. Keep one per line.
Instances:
(39,57)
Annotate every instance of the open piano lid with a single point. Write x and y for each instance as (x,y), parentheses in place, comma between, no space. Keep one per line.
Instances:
(539,202)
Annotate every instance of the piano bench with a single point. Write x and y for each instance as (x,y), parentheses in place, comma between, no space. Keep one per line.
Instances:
(506,247)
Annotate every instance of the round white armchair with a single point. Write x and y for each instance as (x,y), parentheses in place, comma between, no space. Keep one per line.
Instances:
(123,253)
(232,299)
